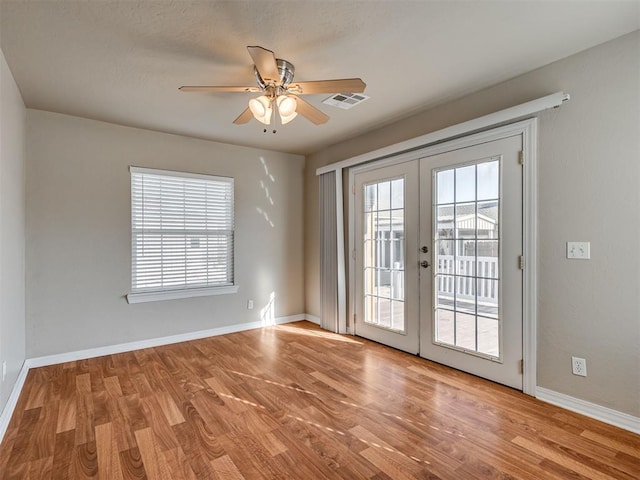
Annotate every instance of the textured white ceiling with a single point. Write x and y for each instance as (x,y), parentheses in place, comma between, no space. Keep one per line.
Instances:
(122,61)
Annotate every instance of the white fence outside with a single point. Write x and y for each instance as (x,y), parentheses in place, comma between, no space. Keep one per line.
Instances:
(465,286)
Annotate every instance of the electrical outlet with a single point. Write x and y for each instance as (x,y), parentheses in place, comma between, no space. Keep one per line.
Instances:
(579,366)
(579,250)
(249,304)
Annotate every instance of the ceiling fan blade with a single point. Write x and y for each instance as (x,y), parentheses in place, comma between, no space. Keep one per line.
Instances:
(265,62)
(310,112)
(345,85)
(212,88)
(244,117)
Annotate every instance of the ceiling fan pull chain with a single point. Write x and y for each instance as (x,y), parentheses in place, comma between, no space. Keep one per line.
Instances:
(273,113)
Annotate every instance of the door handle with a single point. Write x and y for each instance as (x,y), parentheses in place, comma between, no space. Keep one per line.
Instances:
(425,264)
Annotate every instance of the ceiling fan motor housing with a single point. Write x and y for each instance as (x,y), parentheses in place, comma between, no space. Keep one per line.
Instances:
(286,71)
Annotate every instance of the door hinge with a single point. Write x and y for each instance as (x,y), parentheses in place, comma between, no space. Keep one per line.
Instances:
(353,189)
(354,318)
(353,254)
(521,262)
(521,157)
(521,366)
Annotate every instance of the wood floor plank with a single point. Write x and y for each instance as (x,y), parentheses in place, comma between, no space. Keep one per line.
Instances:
(295,402)
(84,420)
(43,438)
(84,461)
(83,384)
(225,469)
(21,448)
(563,459)
(152,411)
(132,466)
(112,385)
(40,469)
(66,415)
(631,446)
(169,408)
(155,465)
(199,462)
(179,464)
(272,444)
(107,452)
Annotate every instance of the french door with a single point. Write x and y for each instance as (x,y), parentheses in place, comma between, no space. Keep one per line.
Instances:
(386,262)
(438,242)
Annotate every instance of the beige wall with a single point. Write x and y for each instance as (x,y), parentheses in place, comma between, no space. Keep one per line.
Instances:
(12,218)
(78,233)
(589,184)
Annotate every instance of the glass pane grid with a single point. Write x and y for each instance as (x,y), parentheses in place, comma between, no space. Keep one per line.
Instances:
(384,256)
(466,221)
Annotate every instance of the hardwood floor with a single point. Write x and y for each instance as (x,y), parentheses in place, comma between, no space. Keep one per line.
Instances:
(295,402)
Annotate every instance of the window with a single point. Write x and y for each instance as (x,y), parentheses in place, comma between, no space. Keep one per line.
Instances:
(181,235)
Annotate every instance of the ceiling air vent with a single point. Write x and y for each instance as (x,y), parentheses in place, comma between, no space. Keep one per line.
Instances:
(345,100)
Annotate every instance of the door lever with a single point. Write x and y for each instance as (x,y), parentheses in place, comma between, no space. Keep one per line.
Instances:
(425,264)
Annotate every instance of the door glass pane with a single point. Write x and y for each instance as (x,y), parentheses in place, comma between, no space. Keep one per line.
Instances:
(370,197)
(465,220)
(467,261)
(444,219)
(465,183)
(396,236)
(487,259)
(488,219)
(465,331)
(445,186)
(444,326)
(397,193)
(384,195)
(397,309)
(445,256)
(445,286)
(384,312)
(488,180)
(384,254)
(488,336)
(369,281)
(465,258)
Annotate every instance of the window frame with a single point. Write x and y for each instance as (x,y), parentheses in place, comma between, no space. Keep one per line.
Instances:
(180,291)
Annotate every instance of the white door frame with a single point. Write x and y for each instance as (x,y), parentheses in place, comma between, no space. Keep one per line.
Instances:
(528,129)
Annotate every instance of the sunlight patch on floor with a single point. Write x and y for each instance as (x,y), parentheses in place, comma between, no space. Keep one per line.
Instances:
(318,334)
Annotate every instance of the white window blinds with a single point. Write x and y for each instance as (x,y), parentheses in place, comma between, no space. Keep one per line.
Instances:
(181,231)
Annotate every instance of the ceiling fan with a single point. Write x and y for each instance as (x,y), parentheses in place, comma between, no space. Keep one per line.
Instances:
(274,77)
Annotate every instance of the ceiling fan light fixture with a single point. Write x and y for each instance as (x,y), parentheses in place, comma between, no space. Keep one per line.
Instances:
(286,105)
(261,109)
(287,118)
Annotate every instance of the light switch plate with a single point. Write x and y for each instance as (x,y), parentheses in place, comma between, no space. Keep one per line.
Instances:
(579,250)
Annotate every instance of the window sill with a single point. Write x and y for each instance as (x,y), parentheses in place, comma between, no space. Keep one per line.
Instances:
(143,297)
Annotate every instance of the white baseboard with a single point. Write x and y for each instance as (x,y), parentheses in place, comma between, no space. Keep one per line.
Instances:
(312,318)
(604,414)
(155,342)
(7,412)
